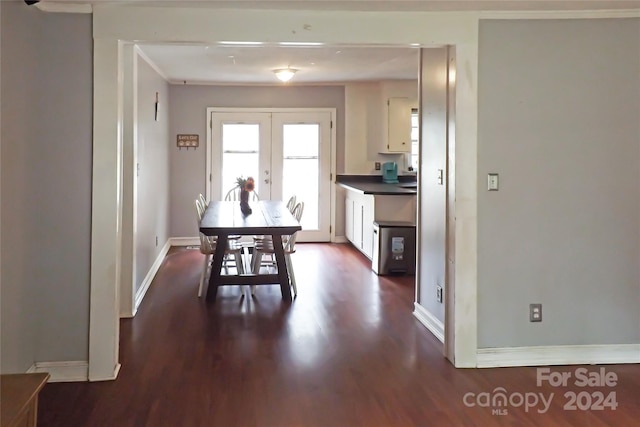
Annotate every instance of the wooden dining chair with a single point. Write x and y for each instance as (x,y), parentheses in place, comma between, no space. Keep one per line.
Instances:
(203,200)
(208,248)
(234,195)
(291,204)
(269,259)
(265,247)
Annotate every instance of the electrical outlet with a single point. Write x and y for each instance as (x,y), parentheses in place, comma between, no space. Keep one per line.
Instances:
(535,312)
(378,166)
(439,293)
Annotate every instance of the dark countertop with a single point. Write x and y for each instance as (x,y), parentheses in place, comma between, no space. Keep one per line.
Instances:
(372,184)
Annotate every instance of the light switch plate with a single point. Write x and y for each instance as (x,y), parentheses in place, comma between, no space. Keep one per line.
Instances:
(492,182)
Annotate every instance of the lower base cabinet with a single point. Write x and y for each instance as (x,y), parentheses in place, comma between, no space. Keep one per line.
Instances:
(359,213)
(361,210)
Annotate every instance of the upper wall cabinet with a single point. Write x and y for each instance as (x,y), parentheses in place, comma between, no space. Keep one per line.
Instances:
(398,125)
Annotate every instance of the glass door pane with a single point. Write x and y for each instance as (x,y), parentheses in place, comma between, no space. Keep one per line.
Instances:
(240,154)
(240,146)
(301,164)
(287,153)
(300,168)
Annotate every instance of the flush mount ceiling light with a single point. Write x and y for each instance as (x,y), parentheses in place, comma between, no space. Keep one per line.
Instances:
(284,74)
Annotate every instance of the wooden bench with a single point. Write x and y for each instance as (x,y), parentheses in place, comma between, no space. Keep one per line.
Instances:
(19,399)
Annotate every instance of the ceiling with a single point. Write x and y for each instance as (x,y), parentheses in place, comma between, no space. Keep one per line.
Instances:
(231,64)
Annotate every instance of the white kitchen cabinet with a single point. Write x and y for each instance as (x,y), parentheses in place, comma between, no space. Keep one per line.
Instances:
(367,227)
(359,214)
(348,219)
(361,210)
(398,125)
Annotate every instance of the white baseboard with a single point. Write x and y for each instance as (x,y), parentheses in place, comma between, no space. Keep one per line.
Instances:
(116,371)
(558,355)
(340,239)
(61,372)
(142,290)
(429,321)
(184,241)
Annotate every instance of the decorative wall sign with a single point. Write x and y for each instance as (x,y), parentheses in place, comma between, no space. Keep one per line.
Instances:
(188,141)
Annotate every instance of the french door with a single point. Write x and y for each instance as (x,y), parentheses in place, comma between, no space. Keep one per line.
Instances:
(287,153)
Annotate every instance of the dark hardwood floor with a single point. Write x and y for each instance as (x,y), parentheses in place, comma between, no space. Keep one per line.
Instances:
(346,352)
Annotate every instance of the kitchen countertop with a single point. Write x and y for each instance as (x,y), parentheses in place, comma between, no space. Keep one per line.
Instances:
(372,184)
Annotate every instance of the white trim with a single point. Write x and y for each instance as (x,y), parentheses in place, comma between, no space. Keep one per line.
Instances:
(465,290)
(152,64)
(559,14)
(49,6)
(429,321)
(53,6)
(111,377)
(62,372)
(129,182)
(144,286)
(340,239)
(184,241)
(558,355)
(106,209)
(146,283)
(262,84)
(333,143)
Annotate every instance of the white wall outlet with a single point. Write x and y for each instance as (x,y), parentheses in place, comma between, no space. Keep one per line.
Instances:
(439,293)
(535,312)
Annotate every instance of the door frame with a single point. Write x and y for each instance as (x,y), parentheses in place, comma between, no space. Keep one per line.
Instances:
(332,136)
(115,25)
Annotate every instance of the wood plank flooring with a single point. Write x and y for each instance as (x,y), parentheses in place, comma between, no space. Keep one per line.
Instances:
(346,352)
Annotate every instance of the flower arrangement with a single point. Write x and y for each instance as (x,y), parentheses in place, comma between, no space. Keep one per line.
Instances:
(246,184)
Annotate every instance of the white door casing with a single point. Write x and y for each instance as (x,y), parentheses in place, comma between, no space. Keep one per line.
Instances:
(113,24)
(276,127)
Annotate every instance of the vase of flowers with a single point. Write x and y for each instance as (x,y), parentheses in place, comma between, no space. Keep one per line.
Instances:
(246,186)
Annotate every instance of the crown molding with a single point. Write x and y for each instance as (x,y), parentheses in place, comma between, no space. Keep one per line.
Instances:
(59,7)
(560,14)
(152,64)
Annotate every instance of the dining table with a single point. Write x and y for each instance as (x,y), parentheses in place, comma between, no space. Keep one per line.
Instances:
(268,217)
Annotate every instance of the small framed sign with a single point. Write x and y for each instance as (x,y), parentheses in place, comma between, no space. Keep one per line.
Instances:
(188,141)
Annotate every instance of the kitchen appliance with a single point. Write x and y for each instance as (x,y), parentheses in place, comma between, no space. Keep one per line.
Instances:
(390,173)
(394,248)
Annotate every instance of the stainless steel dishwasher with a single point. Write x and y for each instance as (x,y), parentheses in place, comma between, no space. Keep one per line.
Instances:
(394,247)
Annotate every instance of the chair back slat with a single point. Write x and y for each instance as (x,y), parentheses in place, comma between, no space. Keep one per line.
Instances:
(290,241)
(234,195)
(207,243)
(291,204)
(203,201)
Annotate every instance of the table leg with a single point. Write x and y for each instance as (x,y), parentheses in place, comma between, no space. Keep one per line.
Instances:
(283,274)
(216,267)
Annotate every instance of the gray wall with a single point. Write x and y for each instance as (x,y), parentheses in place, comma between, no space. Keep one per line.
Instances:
(19,72)
(559,108)
(433,156)
(188,115)
(153,172)
(46,185)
